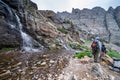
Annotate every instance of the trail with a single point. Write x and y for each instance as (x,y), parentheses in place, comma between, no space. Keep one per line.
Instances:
(51,65)
(77,70)
(45,65)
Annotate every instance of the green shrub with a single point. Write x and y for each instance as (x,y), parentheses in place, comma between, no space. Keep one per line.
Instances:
(58,43)
(6,49)
(82,54)
(74,45)
(113,53)
(62,30)
(52,46)
(67,21)
(77,45)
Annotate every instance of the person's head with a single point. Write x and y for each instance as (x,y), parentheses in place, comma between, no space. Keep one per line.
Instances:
(97,38)
(103,45)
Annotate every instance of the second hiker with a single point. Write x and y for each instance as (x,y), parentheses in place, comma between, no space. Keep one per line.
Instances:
(103,51)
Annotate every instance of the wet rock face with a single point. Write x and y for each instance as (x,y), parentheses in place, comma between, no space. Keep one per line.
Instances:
(40,28)
(6,11)
(37,24)
(18,4)
(9,30)
(8,36)
(13,3)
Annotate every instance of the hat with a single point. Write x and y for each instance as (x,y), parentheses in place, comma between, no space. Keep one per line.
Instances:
(97,38)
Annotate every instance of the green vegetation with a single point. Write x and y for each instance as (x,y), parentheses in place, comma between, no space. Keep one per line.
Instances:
(53,46)
(82,54)
(58,43)
(113,53)
(67,21)
(87,52)
(87,41)
(76,45)
(62,30)
(6,49)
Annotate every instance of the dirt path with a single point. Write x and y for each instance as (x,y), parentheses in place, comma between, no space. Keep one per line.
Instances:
(33,66)
(87,71)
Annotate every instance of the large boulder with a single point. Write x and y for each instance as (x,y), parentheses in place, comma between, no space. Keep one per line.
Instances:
(116,65)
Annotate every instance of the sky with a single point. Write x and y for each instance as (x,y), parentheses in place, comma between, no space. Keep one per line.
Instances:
(67,5)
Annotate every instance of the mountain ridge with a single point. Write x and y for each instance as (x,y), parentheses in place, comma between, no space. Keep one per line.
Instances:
(103,21)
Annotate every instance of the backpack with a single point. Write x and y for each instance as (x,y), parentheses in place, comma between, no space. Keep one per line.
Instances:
(104,49)
(95,46)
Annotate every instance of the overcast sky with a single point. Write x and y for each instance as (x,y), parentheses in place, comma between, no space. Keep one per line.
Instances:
(67,5)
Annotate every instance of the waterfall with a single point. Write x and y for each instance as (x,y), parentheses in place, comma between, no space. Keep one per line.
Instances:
(65,45)
(29,44)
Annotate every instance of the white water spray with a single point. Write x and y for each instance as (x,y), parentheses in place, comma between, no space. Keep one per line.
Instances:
(29,44)
(65,45)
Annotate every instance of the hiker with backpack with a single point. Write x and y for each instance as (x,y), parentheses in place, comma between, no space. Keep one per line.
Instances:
(96,49)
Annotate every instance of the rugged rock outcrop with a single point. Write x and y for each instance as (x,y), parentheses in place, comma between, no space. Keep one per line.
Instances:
(94,22)
(9,37)
(35,23)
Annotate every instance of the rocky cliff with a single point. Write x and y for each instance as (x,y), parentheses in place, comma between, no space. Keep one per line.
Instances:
(33,22)
(37,23)
(54,29)
(96,21)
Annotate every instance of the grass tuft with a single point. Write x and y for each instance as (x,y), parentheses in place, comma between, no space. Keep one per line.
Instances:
(62,30)
(113,53)
(6,49)
(82,54)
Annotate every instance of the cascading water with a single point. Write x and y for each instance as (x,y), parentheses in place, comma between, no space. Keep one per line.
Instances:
(65,45)
(29,44)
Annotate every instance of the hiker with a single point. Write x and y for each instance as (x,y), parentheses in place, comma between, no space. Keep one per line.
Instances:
(103,51)
(96,49)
